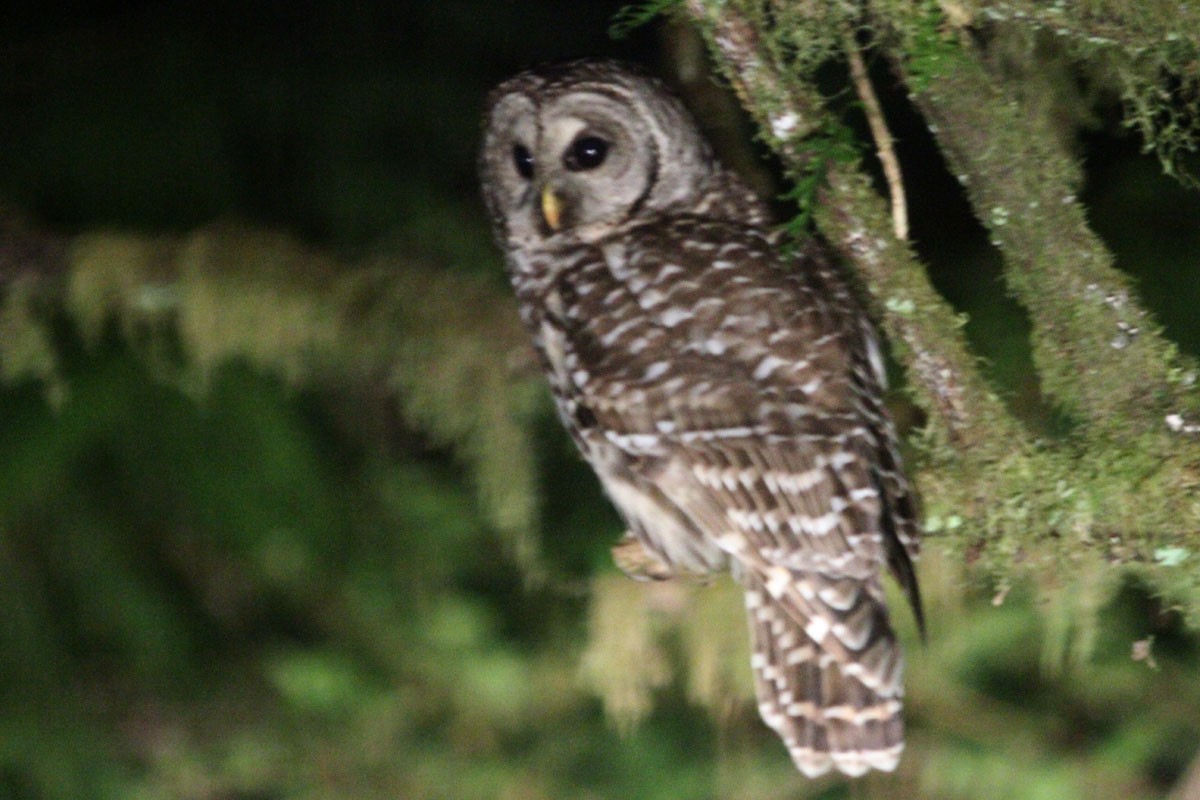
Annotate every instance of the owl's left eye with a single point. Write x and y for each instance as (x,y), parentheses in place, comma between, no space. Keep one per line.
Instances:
(523,161)
(586,152)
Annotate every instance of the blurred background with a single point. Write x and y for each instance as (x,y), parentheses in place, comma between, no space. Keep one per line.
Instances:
(248,585)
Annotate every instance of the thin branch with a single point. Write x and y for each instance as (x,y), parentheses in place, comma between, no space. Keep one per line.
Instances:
(884,143)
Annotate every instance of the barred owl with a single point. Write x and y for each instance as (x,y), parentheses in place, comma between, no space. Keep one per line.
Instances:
(728,397)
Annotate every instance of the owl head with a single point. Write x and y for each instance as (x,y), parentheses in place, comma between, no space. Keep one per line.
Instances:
(572,151)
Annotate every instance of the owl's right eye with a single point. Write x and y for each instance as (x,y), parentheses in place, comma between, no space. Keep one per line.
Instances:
(523,161)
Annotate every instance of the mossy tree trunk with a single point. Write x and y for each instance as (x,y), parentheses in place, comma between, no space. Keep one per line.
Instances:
(1123,486)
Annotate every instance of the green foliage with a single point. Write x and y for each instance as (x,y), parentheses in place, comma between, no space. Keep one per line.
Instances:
(834,144)
(1163,104)
(443,345)
(1147,52)
(635,15)
(931,48)
(806,36)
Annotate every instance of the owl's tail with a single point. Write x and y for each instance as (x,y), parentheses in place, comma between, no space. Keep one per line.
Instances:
(828,671)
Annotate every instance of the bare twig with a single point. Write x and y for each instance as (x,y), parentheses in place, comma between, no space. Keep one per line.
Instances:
(884,143)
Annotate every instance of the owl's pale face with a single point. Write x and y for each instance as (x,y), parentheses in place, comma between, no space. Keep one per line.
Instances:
(577,161)
(569,155)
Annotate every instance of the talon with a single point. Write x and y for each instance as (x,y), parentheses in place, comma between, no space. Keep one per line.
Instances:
(635,560)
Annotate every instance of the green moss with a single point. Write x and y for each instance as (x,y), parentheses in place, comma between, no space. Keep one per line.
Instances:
(635,15)
(930,44)
(1145,51)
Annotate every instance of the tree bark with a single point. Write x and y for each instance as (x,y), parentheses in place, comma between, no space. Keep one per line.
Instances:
(1122,488)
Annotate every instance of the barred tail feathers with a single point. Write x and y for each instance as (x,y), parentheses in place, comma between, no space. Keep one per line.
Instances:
(827,673)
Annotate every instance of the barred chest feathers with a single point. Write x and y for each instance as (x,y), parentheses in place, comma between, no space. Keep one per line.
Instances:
(668,534)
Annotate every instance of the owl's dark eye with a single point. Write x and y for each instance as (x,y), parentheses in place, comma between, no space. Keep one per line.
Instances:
(523,161)
(586,152)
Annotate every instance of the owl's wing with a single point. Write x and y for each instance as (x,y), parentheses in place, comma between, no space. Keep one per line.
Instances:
(801,526)
(759,426)
(681,349)
(800,518)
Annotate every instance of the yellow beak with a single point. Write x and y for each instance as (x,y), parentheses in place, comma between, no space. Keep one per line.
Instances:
(551,208)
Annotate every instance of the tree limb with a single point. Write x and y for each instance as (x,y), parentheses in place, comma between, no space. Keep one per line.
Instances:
(449,350)
(1113,494)
(920,324)
(1105,361)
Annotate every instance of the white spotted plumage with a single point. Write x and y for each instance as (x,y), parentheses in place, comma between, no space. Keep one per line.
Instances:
(728,398)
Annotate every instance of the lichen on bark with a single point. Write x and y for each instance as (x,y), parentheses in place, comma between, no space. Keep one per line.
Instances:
(1122,486)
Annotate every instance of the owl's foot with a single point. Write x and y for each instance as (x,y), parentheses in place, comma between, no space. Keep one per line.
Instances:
(632,558)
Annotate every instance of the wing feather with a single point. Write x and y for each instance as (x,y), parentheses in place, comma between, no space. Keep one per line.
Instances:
(755,426)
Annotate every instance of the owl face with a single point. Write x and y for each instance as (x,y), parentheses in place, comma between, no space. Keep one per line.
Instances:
(572,152)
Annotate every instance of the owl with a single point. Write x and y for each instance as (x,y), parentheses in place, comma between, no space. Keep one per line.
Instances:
(726,391)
